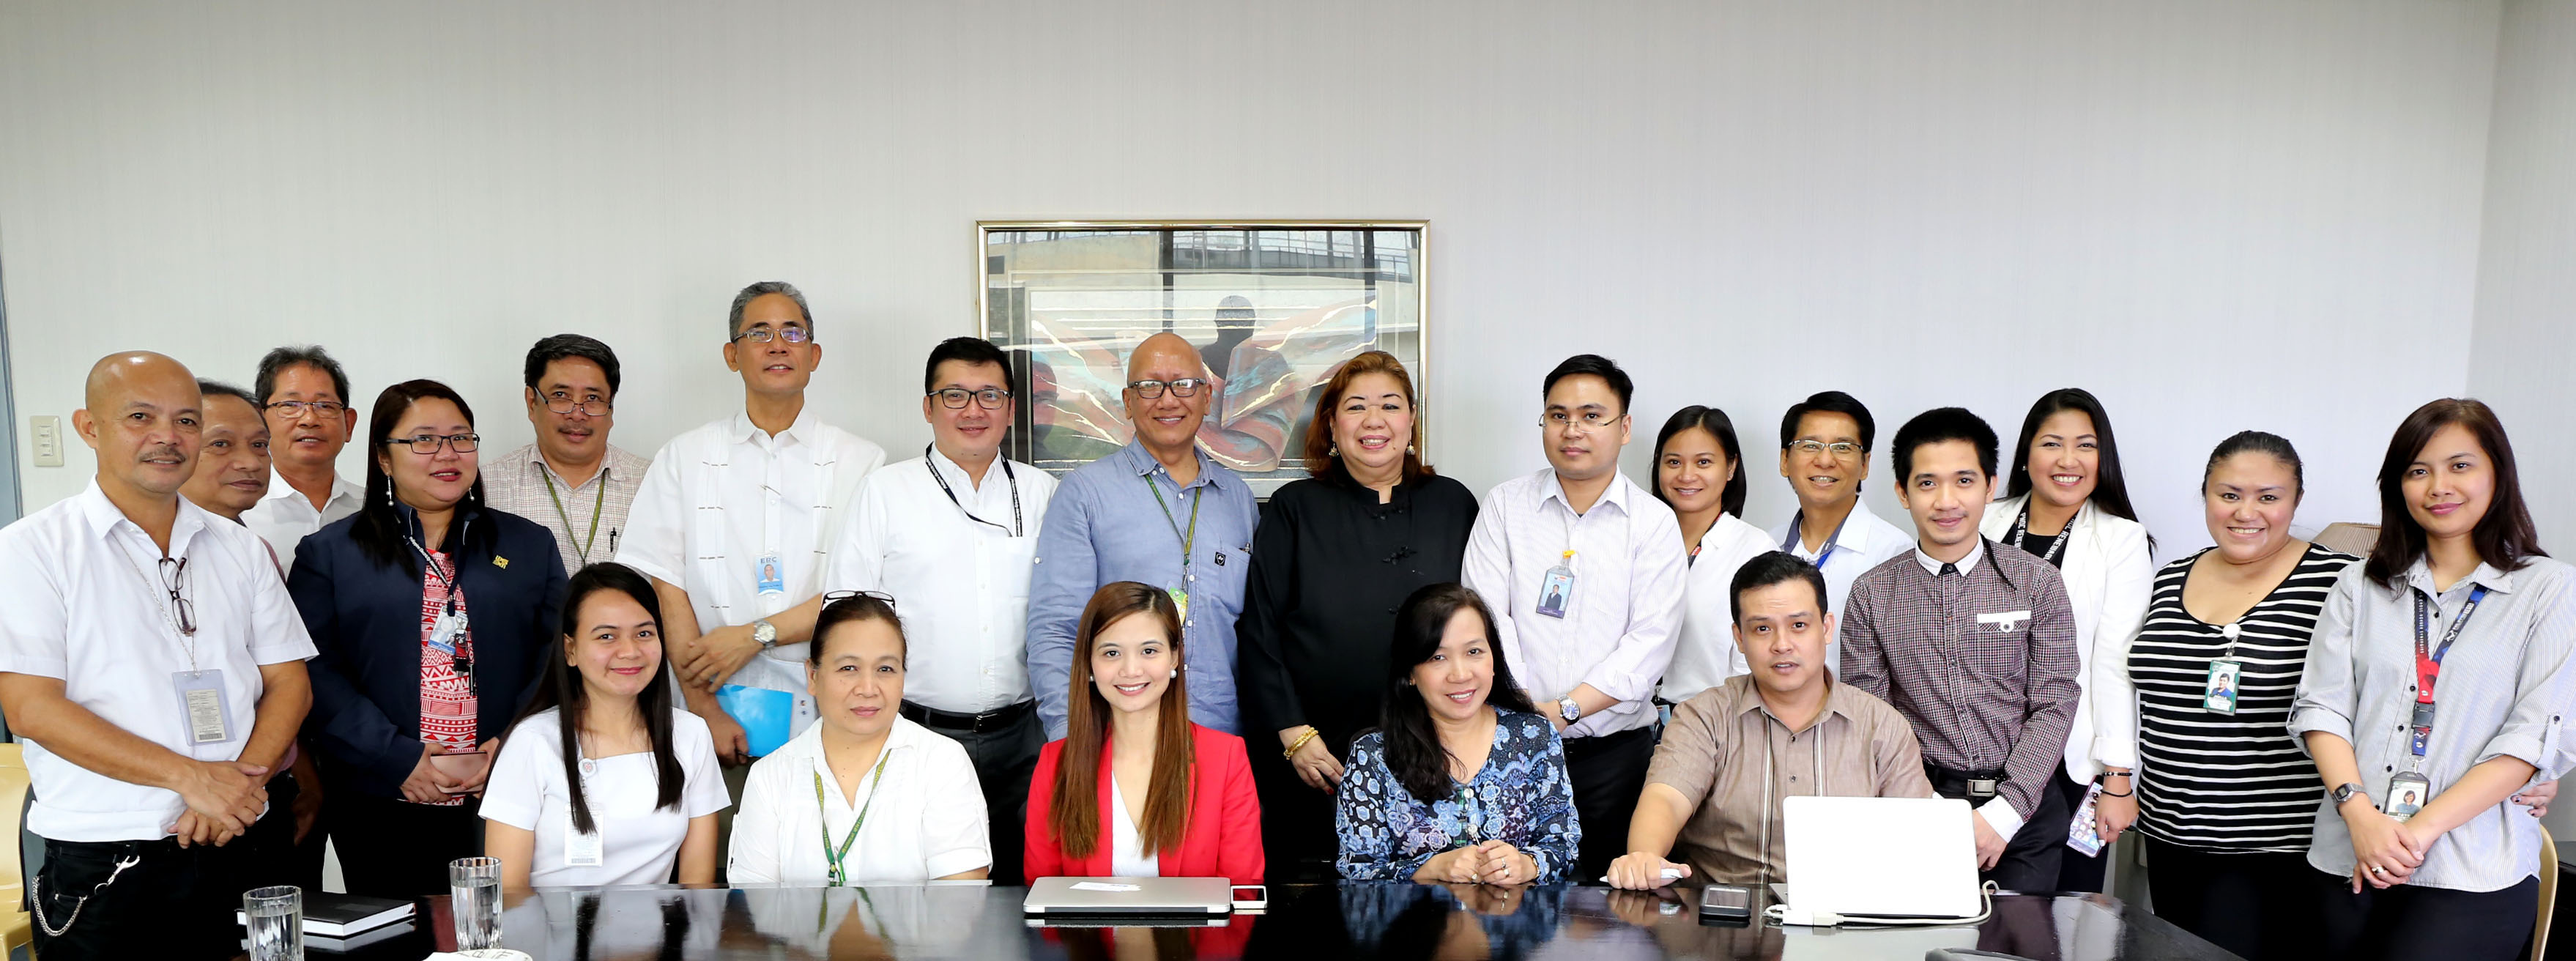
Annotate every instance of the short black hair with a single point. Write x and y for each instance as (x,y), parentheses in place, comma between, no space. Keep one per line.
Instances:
(1829,402)
(1943,424)
(1597,366)
(216,388)
(1773,567)
(569,346)
(277,361)
(973,352)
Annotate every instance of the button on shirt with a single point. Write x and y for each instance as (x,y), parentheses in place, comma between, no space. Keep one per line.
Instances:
(962,585)
(1618,630)
(286,517)
(2505,687)
(1979,656)
(1733,760)
(516,482)
(1105,526)
(720,497)
(86,606)
(1864,543)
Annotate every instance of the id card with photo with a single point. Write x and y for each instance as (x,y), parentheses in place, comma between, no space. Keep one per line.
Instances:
(2218,693)
(770,575)
(205,711)
(1556,591)
(2407,792)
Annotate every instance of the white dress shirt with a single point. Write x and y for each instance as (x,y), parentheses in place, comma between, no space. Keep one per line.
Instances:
(285,517)
(926,821)
(586,520)
(719,498)
(1706,655)
(639,843)
(1864,542)
(1618,630)
(2109,580)
(960,584)
(86,605)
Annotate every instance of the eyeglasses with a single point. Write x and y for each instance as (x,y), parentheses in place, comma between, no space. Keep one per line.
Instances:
(1184,387)
(294,409)
(833,597)
(565,405)
(954,398)
(765,333)
(429,443)
(1590,418)
(1842,450)
(174,578)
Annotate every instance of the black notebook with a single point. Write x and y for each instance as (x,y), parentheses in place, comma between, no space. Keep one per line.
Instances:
(341,915)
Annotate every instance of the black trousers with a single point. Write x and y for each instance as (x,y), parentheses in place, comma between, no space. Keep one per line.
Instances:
(1297,835)
(2258,905)
(2030,861)
(172,902)
(1608,772)
(1004,759)
(273,856)
(2075,872)
(2409,923)
(392,848)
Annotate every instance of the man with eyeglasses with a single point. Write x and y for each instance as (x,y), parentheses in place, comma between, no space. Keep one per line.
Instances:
(732,523)
(1583,570)
(306,397)
(571,481)
(1824,452)
(951,536)
(1157,511)
(153,663)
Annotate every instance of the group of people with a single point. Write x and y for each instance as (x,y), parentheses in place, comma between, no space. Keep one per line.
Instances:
(608,669)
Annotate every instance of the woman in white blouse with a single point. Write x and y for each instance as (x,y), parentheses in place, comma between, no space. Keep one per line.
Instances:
(2067,503)
(1699,472)
(604,780)
(864,795)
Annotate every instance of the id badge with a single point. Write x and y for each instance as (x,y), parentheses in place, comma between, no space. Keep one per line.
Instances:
(583,850)
(203,706)
(2218,692)
(444,632)
(771,575)
(1180,601)
(2407,792)
(1556,591)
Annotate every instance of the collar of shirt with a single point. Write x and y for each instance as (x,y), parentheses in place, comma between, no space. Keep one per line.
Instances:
(1932,565)
(535,458)
(743,431)
(964,485)
(1615,495)
(341,489)
(1744,694)
(105,518)
(1145,465)
(2419,576)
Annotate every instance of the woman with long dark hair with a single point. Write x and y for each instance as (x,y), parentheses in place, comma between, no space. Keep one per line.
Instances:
(433,617)
(2434,693)
(1463,781)
(1134,789)
(602,780)
(2066,501)
(1699,472)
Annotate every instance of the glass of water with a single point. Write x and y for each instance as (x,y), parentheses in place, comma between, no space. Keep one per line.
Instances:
(474,886)
(275,919)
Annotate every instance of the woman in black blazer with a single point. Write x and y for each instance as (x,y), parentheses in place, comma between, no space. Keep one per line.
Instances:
(432,615)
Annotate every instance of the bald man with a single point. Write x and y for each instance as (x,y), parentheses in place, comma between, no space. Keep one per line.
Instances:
(1159,512)
(151,660)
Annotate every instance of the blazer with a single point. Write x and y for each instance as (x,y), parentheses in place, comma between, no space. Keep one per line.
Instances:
(1222,839)
(365,622)
(2109,578)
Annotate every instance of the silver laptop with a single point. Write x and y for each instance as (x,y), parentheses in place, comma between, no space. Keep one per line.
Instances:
(1129,897)
(1882,857)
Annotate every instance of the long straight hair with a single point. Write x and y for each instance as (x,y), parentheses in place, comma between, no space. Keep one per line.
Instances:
(563,689)
(1730,498)
(2505,537)
(2110,485)
(1413,749)
(1075,811)
(379,529)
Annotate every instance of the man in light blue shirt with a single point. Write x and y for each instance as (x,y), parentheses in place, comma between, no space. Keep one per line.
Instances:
(1159,512)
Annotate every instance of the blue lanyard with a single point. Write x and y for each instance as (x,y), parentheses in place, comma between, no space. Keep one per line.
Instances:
(1799,519)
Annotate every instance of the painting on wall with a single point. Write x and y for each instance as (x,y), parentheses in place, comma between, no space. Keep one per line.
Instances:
(1274,309)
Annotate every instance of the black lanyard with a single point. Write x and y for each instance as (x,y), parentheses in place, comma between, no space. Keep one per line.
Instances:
(961,505)
(462,657)
(2021,531)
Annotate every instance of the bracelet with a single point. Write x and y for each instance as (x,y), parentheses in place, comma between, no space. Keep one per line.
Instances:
(2128,793)
(1291,752)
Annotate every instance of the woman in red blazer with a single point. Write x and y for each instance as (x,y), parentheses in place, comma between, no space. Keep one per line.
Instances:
(1135,789)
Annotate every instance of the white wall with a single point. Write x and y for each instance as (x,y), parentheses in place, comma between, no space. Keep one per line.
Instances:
(2207,212)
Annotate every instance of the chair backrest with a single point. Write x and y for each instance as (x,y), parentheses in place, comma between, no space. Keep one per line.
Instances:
(2350,538)
(2548,893)
(13,805)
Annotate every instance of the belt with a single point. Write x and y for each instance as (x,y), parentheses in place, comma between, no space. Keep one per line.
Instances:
(1971,785)
(971,723)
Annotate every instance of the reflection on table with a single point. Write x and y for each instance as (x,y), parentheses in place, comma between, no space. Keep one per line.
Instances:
(1349,921)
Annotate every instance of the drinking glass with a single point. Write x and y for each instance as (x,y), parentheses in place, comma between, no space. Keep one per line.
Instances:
(474,886)
(275,919)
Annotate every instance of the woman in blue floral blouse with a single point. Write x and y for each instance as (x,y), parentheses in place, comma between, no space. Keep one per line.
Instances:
(1463,781)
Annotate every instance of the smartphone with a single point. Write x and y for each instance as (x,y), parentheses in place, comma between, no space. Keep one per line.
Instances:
(460,765)
(1725,904)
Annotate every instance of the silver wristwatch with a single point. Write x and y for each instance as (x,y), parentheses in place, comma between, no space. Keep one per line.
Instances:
(1567,709)
(2344,792)
(766,633)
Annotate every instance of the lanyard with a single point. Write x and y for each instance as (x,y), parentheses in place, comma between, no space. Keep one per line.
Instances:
(835,857)
(1015,493)
(581,550)
(1798,520)
(187,635)
(436,571)
(2428,663)
(1188,539)
(2021,531)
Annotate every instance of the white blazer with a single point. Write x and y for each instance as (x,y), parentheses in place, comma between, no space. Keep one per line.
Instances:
(2109,578)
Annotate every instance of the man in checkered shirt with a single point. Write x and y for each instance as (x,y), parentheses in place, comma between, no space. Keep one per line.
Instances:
(1975,647)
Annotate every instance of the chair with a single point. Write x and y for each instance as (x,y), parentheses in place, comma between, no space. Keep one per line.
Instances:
(2548,893)
(16,928)
(2350,538)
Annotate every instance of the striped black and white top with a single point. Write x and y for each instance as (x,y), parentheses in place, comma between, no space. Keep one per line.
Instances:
(2228,782)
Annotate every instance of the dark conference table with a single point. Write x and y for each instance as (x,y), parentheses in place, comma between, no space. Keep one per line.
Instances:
(1338,922)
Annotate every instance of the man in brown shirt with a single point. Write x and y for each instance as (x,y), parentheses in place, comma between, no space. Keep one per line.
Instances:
(1712,796)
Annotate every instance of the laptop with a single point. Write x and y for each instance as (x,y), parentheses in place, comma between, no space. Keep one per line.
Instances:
(1863,857)
(1129,898)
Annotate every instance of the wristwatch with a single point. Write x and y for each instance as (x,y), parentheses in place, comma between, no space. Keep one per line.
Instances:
(1567,709)
(2344,792)
(766,633)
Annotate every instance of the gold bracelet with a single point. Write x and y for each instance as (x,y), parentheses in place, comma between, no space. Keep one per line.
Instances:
(1291,752)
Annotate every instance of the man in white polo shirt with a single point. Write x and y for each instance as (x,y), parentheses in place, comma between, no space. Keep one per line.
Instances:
(1824,452)
(154,665)
(951,536)
(305,396)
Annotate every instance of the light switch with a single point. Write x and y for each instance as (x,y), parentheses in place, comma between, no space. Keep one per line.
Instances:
(47,434)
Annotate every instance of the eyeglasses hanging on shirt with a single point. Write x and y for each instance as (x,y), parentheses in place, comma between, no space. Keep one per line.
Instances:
(450,630)
(205,707)
(961,505)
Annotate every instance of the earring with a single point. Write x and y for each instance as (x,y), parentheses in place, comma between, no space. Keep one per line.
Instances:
(1333,451)
(1408,448)
(1174,673)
